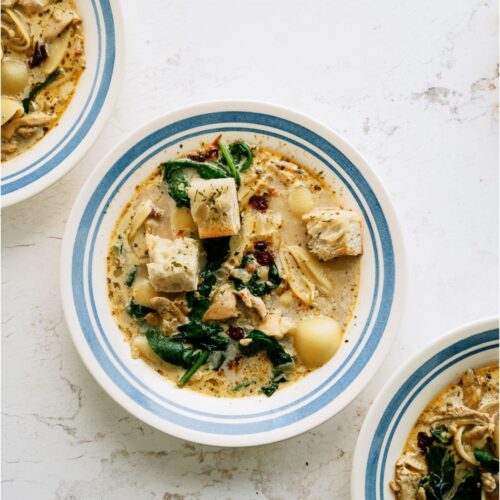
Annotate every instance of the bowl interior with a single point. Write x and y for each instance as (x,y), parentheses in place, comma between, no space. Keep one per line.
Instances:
(400,403)
(302,404)
(63,146)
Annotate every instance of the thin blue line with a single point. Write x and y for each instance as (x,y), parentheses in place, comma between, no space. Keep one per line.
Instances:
(98,100)
(413,385)
(267,120)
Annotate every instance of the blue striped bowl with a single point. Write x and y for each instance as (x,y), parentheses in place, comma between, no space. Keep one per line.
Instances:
(404,397)
(61,149)
(184,413)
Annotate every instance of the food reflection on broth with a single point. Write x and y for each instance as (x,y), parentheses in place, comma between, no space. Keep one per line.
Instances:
(233,270)
(452,450)
(42,60)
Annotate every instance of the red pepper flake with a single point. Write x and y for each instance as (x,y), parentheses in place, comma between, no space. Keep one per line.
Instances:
(217,139)
(156,213)
(259,202)
(78,53)
(211,153)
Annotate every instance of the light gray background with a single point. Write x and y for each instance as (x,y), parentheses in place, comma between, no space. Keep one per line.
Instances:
(413,85)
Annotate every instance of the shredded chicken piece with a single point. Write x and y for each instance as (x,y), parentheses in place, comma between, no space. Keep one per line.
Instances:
(253,302)
(490,484)
(9,148)
(275,325)
(61,19)
(472,389)
(458,416)
(409,472)
(478,435)
(35,119)
(171,315)
(27,131)
(223,305)
(33,6)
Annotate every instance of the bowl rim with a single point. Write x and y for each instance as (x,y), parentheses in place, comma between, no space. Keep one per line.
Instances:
(66,164)
(238,106)
(395,384)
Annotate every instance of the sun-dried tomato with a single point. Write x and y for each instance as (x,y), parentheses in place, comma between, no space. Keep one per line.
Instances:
(236,333)
(211,153)
(263,255)
(259,202)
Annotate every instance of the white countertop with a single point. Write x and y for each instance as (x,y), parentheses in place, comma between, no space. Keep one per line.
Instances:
(412,85)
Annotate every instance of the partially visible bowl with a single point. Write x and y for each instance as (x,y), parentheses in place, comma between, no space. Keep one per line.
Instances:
(96,93)
(184,413)
(401,401)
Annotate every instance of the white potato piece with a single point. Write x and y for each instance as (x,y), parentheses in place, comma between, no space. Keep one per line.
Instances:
(142,212)
(143,292)
(10,108)
(300,200)
(57,49)
(15,76)
(316,340)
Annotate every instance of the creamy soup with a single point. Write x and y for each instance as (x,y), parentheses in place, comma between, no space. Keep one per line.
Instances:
(233,270)
(42,60)
(452,451)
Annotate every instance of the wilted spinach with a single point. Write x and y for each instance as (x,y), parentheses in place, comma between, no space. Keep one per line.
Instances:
(206,336)
(138,311)
(171,351)
(262,342)
(279,377)
(469,488)
(131,277)
(487,460)
(439,435)
(441,472)
(255,285)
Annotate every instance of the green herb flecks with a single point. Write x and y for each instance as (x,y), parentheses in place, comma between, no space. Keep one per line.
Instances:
(441,435)
(39,87)
(279,376)
(242,385)
(256,286)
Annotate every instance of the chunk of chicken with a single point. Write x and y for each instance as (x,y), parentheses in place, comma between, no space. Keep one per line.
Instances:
(60,20)
(35,119)
(223,305)
(253,302)
(472,389)
(490,483)
(275,325)
(409,472)
(33,6)
(171,315)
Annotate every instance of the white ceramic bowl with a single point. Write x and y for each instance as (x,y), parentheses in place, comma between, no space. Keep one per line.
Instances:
(405,396)
(61,149)
(184,413)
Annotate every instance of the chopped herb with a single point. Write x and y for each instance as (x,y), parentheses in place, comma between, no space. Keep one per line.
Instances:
(131,277)
(242,385)
(38,88)
(262,342)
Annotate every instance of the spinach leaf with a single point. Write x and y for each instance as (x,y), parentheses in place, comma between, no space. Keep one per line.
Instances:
(487,460)
(217,250)
(242,155)
(229,161)
(171,351)
(38,88)
(203,335)
(469,488)
(278,377)
(196,366)
(441,476)
(441,435)
(177,181)
(138,311)
(260,341)
(131,277)
(255,285)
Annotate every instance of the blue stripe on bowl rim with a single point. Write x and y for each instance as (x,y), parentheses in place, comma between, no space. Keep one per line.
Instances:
(82,259)
(93,104)
(375,480)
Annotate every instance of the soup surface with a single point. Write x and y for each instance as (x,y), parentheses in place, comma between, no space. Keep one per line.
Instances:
(212,275)
(452,451)
(42,60)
